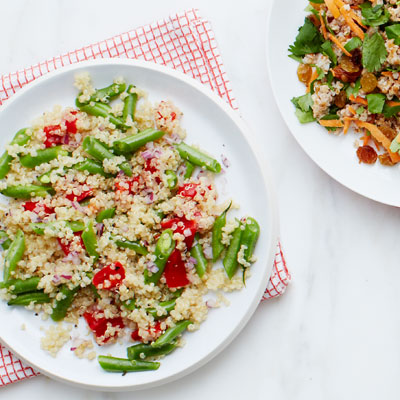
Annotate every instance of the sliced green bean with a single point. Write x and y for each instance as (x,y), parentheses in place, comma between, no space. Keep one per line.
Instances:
(114,364)
(134,142)
(25,299)
(128,244)
(129,105)
(216,241)
(14,255)
(18,286)
(108,93)
(93,167)
(171,333)
(168,306)
(5,240)
(105,214)
(189,168)
(197,253)
(42,156)
(90,241)
(164,247)
(230,260)
(27,191)
(60,307)
(249,238)
(20,138)
(129,304)
(56,226)
(197,157)
(142,351)
(171,178)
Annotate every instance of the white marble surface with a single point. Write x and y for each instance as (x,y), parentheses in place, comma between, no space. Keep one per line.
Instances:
(335,333)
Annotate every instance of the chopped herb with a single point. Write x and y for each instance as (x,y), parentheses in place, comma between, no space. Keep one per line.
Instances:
(374,16)
(393,32)
(320,76)
(353,43)
(328,50)
(390,111)
(360,110)
(376,101)
(374,52)
(303,106)
(353,90)
(308,40)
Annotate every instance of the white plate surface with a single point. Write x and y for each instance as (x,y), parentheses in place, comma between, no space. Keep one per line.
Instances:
(336,155)
(215,127)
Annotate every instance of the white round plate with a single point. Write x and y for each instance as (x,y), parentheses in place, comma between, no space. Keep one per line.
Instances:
(212,124)
(336,155)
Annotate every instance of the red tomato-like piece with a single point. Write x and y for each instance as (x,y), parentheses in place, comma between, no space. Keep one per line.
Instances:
(37,207)
(175,271)
(98,324)
(79,197)
(66,247)
(183,227)
(127,185)
(53,135)
(188,190)
(70,123)
(155,332)
(110,276)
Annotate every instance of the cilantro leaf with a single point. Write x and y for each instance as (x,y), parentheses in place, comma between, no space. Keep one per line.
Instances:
(353,44)
(374,16)
(303,106)
(393,32)
(390,111)
(374,52)
(376,101)
(307,41)
(328,50)
(353,90)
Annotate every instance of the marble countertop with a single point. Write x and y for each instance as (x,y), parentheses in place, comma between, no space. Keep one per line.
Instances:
(335,333)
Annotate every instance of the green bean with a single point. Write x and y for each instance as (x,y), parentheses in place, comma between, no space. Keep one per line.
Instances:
(18,286)
(98,150)
(114,364)
(171,178)
(14,255)
(230,260)
(108,93)
(164,247)
(60,307)
(44,179)
(90,241)
(40,227)
(189,170)
(196,157)
(94,291)
(129,304)
(134,142)
(5,240)
(27,191)
(142,351)
(93,167)
(168,306)
(159,214)
(216,241)
(42,156)
(197,252)
(249,238)
(20,138)
(27,298)
(128,244)
(105,214)
(129,105)
(171,333)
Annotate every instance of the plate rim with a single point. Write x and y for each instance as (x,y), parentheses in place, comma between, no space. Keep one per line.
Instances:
(248,135)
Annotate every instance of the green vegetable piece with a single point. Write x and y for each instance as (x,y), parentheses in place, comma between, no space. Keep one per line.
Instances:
(60,307)
(249,238)
(168,306)
(353,43)
(216,241)
(230,260)
(171,178)
(14,255)
(189,168)
(390,111)
(40,227)
(196,157)
(374,16)
(27,298)
(376,101)
(393,32)
(129,244)
(42,156)
(93,167)
(353,90)
(142,351)
(105,214)
(90,241)
(18,286)
(129,105)
(304,111)
(27,191)
(20,138)
(171,333)
(197,252)
(395,146)
(327,49)
(134,142)
(164,247)
(5,240)
(308,40)
(108,93)
(113,364)
(129,304)
(373,52)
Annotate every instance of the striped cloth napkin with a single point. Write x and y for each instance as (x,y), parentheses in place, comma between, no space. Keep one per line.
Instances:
(185,42)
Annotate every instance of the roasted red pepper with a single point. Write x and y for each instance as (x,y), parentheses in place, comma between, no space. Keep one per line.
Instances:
(98,324)
(188,190)
(175,271)
(53,134)
(182,226)
(70,123)
(79,197)
(154,331)
(110,276)
(37,207)
(66,247)
(127,185)
(149,166)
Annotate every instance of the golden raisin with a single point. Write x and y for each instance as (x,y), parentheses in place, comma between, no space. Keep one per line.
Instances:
(348,65)
(389,132)
(385,159)
(341,99)
(368,82)
(304,72)
(367,155)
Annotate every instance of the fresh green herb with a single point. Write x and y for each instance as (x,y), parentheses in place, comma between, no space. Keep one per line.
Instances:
(390,111)
(308,40)
(329,80)
(353,43)
(328,50)
(374,52)
(360,110)
(374,16)
(393,32)
(303,106)
(376,101)
(317,1)
(353,90)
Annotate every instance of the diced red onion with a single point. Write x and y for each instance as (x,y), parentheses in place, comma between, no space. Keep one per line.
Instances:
(225,161)
(147,154)
(125,228)
(78,207)
(67,277)
(100,229)
(149,198)
(73,348)
(65,139)
(189,265)
(187,232)
(56,279)
(35,218)
(207,250)
(152,267)
(149,145)
(73,257)
(173,138)
(211,303)
(192,260)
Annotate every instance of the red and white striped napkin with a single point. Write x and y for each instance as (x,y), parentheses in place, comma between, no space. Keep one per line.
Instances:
(185,42)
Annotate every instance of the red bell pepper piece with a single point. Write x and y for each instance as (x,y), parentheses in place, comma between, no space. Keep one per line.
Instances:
(110,276)
(70,123)
(188,190)
(98,324)
(53,136)
(79,197)
(37,207)
(155,332)
(127,185)
(66,247)
(182,226)
(175,271)
(149,166)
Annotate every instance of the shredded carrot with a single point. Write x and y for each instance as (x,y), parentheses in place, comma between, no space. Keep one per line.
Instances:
(353,26)
(347,123)
(323,27)
(333,8)
(352,110)
(365,139)
(358,100)
(386,73)
(337,42)
(393,103)
(331,123)
(379,137)
(313,77)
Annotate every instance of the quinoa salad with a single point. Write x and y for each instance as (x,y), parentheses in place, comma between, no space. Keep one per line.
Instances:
(349,55)
(114,221)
